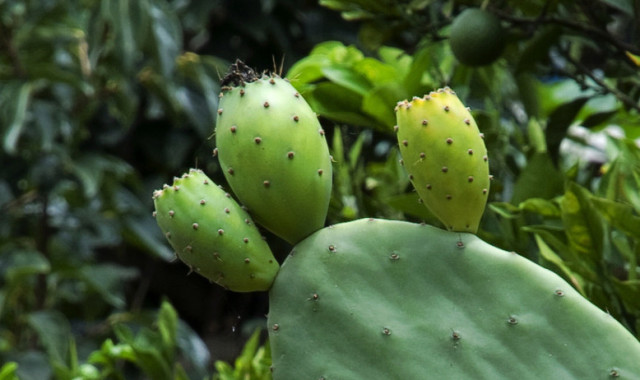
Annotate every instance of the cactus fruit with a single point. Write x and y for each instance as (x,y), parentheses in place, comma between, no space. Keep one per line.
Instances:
(445,155)
(273,152)
(213,235)
(376,299)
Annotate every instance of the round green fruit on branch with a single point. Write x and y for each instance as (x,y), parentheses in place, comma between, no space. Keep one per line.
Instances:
(476,37)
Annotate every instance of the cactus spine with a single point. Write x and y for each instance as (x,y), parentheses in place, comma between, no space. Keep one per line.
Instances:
(274,153)
(446,158)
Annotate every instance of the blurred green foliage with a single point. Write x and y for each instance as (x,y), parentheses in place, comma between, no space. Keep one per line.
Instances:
(103,101)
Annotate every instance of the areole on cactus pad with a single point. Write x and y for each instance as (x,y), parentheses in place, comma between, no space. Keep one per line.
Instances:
(444,153)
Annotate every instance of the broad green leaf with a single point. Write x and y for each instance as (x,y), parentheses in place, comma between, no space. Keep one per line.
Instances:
(17,113)
(549,255)
(398,59)
(338,103)
(376,72)
(167,38)
(559,121)
(537,48)
(54,333)
(122,25)
(527,85)
(107,280)
(536,136)
(143,232)
(505,209)
(629,293)
(530,183)
(192,347)
(409,204)
(8,371)
(168,327)
(22,262)
(308,69)
(541,206)
(626,6)
(598,118)
(347,78)
(379,103)
(583,225)
(619,215)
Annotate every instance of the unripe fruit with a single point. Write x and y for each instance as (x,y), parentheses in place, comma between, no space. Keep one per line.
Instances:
(476,37)
(213,235)
(273,153)
(446,158)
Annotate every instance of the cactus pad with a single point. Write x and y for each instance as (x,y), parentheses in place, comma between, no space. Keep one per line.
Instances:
(443,151)
(375,299)
(213,235)
(274,155)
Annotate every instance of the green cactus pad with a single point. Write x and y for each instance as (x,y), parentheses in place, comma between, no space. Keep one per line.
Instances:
(376,299)
(445,156)
(213,235)
(275,156)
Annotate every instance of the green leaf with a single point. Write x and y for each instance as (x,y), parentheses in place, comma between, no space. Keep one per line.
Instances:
(559,121)
(54,333)
(8,371)
(598,118)
(338,103)
(537,48)
(410,205)
(505,209)
(626,6)
(529,184)
(18,101)
(144,233)
(167,36)
(549,255)
(22,262)
(347,78)
(168,327)
(619,215)
(583,225)
(380,102)
(377,72)
(540,206)
(107,280)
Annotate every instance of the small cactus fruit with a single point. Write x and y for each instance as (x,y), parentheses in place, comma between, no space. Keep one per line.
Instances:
(446,158)
(273,152)
(213,235)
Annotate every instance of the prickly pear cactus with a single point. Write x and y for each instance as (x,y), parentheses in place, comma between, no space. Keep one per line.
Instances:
(213,235)
(376,299)
(443,151)
(274,153)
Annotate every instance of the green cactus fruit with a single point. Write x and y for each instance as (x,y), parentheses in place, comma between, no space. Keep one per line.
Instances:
(377,299)
(213,235)
(476,37)
(445,156)
(274,153)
